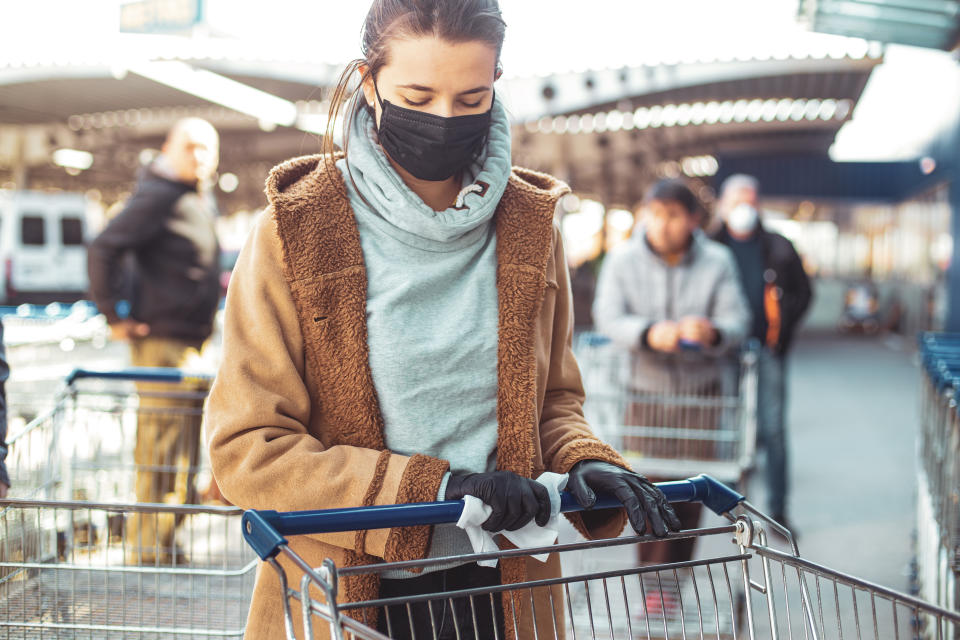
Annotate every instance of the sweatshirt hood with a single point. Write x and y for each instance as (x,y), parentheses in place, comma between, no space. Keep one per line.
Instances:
(306,177)
(303,178)
(378,190)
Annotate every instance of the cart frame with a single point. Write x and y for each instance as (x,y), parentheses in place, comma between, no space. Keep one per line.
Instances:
(72,568)
(675,427)
(791,598)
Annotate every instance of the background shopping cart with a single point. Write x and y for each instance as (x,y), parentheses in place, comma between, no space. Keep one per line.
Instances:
(67,565)
(751,591)
(61,325)
(938,473)
(673,417)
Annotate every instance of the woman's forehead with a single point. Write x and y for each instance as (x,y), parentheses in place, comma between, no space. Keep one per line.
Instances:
(439,64)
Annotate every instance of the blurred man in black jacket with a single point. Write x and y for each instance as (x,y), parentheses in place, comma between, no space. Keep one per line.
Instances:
(169,228)
(779,292)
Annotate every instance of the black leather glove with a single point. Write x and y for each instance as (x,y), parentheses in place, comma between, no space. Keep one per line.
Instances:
(639,496)
(515,500)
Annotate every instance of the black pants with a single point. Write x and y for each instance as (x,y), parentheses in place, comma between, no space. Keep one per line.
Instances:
(487,611)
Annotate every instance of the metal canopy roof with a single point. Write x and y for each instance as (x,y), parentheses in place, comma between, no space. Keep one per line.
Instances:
(607,132)
(55,100)
(54,94)
(55,90)
(798,110)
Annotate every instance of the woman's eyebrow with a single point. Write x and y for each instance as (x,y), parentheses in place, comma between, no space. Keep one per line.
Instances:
(420,87)
(415,87)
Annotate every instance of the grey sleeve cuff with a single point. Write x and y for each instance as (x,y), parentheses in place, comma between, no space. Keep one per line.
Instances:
(442,492)
(626,332)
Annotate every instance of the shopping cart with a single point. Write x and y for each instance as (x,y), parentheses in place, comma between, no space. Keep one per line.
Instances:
(72,558)
(673,416)
(938,472)
(749,590)
(61,325)
(85,446)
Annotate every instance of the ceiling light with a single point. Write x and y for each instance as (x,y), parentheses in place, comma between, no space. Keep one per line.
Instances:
(229,182)
(73,159)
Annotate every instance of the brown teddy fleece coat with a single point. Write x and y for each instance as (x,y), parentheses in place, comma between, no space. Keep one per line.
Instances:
(293,421)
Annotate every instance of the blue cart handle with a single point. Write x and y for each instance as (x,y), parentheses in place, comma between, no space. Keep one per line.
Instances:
(139,374)
(264,531)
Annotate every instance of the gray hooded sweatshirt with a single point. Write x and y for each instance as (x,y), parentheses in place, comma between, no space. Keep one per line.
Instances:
(432,311)
(637,289)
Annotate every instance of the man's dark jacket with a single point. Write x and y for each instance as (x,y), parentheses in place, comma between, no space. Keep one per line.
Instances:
(784,270)
(169,228)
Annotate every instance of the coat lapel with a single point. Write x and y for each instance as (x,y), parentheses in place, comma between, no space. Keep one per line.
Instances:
(524,222)
(328,280)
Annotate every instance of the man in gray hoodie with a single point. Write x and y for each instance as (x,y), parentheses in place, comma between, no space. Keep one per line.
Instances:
(672,299)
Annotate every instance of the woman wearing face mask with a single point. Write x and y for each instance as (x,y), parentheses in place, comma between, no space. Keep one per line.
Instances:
(398,330)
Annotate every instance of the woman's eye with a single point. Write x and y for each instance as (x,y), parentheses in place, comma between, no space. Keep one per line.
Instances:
(471,105)
(415,104)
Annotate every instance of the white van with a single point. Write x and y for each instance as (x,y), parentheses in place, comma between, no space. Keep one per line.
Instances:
(43,254)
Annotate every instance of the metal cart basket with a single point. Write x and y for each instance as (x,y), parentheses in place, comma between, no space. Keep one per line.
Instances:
(673,416)
(938,472)
(747,590)
(73,561)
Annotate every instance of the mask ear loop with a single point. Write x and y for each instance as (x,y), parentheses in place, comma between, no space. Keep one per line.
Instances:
(497,72)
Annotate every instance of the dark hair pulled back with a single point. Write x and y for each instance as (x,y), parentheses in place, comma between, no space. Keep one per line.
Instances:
(675,190)
(450,20)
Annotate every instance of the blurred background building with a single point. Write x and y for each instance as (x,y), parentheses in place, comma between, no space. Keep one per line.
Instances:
(847,112)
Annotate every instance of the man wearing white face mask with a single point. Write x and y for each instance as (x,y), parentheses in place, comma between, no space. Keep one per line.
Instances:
(779,293)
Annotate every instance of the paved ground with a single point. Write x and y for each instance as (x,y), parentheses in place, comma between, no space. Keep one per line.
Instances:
(853,418)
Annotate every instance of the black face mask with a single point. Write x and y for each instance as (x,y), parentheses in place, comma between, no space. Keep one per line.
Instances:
(431,147)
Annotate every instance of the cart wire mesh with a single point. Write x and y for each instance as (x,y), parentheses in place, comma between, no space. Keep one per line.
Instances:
(753,590)
(676,415)
(80,558)
(938,478)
